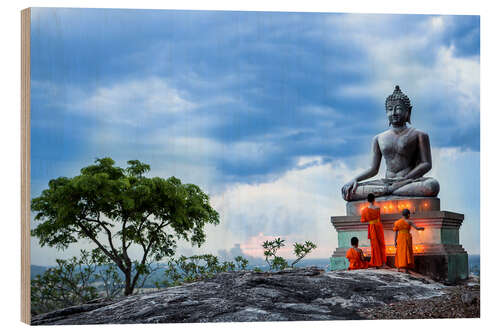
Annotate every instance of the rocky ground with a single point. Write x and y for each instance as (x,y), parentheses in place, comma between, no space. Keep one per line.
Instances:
(460,301)
(300,294)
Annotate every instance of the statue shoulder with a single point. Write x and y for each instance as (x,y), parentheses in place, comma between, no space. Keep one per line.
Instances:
(422,137)
(382,135)
(421,134)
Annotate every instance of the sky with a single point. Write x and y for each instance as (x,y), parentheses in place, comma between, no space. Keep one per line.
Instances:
(269,113)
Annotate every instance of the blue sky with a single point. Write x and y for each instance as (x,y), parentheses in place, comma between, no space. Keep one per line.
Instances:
(270,113)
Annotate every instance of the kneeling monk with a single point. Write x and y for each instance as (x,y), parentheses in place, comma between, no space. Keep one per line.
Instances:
(356,258)
(371,214)
(403,242)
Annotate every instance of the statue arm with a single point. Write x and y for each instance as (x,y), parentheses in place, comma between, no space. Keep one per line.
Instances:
(375,165)
(425,163)
(350,188)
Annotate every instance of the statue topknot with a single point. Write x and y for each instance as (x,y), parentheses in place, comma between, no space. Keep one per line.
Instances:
(399,95)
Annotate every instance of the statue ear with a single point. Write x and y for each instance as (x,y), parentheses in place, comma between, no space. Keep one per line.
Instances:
(409,115)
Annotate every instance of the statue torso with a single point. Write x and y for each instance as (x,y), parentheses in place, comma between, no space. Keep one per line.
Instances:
(400,151)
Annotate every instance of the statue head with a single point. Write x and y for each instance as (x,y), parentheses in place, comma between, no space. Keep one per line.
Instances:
(398,108)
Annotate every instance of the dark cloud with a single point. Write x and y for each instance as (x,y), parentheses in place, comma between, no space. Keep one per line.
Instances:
(272,81)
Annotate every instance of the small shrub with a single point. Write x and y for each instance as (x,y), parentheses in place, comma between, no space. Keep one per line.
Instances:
(270,249)
(301,250)
(198,267)
(279,263)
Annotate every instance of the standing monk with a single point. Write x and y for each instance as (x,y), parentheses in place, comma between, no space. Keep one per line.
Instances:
(403,242)
(371,214)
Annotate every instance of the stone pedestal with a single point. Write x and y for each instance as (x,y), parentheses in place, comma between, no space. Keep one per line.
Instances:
(437,249)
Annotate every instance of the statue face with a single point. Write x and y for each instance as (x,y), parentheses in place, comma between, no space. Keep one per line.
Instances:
(397,113)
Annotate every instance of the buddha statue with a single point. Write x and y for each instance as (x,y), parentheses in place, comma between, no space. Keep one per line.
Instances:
(407,155)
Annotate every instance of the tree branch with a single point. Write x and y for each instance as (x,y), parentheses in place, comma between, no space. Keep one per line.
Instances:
(146,251)
(90,235)
(108,232)
(124,245)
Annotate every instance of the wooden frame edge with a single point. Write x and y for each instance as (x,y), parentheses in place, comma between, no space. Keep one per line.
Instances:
(25,165)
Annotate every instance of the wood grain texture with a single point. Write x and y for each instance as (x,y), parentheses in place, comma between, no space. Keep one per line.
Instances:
(25,165)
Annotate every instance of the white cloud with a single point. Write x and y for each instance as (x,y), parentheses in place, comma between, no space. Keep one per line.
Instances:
(304,161)
(397,59)
(437,23)
(458,174)
(296,206)
(132,102)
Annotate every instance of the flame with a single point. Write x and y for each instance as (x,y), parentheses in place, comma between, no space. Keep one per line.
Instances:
(397,206)
(418,249)
(391,250)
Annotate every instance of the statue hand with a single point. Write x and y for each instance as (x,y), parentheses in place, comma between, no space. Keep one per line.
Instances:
(394,186)
(349,189)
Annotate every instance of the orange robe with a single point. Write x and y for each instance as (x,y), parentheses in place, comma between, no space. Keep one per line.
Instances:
(375,235)
(404,249)
(355,261)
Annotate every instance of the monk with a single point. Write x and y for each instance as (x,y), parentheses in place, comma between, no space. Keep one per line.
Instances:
(371,215)
(403,242)
(355,255)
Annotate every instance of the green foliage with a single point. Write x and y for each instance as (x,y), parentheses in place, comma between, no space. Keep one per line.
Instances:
(279,263)
(198,267)
(118,208)
(241,263)
(71,282)
(113,283)
(270,249)
(301,250)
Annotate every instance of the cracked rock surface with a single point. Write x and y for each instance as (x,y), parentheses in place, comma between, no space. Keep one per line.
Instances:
(299,294)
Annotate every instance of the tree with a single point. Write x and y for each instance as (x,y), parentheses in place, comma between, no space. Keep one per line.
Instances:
(116,208)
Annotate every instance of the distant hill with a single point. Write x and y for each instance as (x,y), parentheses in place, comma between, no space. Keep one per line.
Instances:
(37,270)
(474,264)
(323,263)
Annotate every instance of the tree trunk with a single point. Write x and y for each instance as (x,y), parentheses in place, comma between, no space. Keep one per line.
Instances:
(129,288)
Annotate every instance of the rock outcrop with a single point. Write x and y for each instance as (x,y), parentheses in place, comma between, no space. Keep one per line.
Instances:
(299,294)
